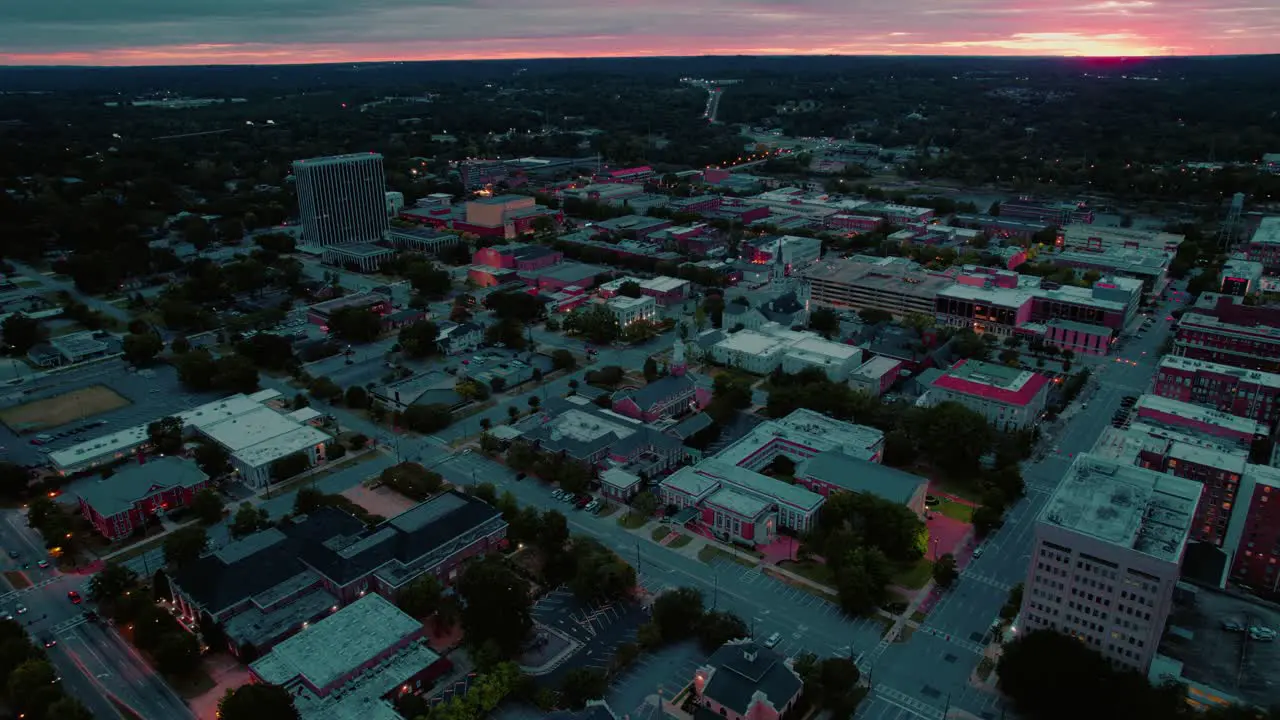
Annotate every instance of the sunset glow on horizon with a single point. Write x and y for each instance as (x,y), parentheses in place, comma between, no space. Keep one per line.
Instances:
(194,32)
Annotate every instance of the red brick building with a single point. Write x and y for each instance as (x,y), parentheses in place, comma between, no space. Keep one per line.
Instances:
(122,503)
(1241,335)
(1253,535)
(1244,393)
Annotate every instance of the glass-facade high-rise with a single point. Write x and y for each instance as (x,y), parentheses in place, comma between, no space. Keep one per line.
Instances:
(342,198)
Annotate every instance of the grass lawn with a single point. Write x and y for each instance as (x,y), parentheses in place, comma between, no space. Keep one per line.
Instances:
(632,520)
(660,533)
(918,616)
(62,409)
(710,554)
(680,542)
(985,666)
(815,571)
(608,510)
(955,510)
(958,489)
(915,575)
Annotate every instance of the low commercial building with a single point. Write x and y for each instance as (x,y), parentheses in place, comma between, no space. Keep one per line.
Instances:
(123,503)
(1264,247)
(1061,214)
(619,485)
(744,681)
(1244,393)
(1105,558)
(272,584)
(1241,277)
(254,435)
(664,290)
(898,214)
(729,496)
(505,216)
(576,429)
(606,193)
(422,239)
(1009,398)
(562,276)
(834,471)
(1198,420)
(69,349)
(1080,338)
(358,257)
(773,346)
(320,313)
(876,376)
(628,310)
(794,253)
(1097,239)
(634,227)
(353,664)
(1149,266)
(1003,228)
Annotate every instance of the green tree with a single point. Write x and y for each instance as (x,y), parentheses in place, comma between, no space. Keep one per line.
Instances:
(596,323)
(67,708)
(21,333)
(355,325)
(184,545)
(289,466)
(165,435)
(677,612)
(495,606)
(324,389)
(580,685)
(825,322)
(945,573)
(177,653)
(112,582)
(730,393)
(419,339)
(421,597)
(631,289)
(212,459)
(831,684)
(14,481)
(719,627)
(427,419)
(862,578)
(356,398)
(257,701)
(180,345)
(651,370)
(248,520)
(207,505)
(28,687)
(142,348)
(645,503)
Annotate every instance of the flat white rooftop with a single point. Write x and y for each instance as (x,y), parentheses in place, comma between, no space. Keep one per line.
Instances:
(585,427)
(298,439)
(335,646)
(1184,364)
(1268,232)
(808,429)
(1125,506)
(1197,413)
(249,429)
(877,367)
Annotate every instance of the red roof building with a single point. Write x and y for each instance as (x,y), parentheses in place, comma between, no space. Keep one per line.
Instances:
(1009,398)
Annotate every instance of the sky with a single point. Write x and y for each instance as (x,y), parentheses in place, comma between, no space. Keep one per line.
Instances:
(176,32)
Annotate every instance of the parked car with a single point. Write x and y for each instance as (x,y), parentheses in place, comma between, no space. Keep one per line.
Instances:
(1233,625)
(1262,634)
(557,494)
(977,552)
(773,640)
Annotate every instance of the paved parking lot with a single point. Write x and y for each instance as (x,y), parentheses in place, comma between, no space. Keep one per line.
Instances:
(825,629)
(152,396)
(669,670)
(597,628)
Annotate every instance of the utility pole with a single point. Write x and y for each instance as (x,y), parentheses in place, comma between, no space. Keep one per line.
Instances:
(947,709)
(637,557)
(715,599)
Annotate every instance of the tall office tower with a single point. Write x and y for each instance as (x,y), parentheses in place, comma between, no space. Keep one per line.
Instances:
(1106,557)
(342,198)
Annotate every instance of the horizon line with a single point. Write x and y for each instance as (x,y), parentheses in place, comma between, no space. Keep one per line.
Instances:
(767,56)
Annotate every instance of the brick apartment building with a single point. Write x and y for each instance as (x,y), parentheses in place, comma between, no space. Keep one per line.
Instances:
(1232,334)
(1253,535)
(1244,393)
(1264,246)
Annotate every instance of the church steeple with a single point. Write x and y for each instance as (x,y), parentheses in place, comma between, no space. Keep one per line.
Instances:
(678,364)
